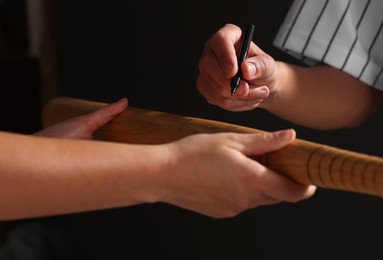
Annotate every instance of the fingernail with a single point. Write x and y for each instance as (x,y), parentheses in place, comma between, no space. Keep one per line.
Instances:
(121,100)
(287,134)
(263,93)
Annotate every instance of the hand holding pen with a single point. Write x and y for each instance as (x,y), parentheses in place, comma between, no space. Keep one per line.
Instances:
(236,79)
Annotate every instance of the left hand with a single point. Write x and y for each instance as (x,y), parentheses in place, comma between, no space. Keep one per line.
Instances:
(83,127)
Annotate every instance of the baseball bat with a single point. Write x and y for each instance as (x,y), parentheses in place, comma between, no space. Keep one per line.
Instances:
(305,162)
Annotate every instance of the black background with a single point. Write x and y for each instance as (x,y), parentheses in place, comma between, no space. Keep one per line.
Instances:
(148,51)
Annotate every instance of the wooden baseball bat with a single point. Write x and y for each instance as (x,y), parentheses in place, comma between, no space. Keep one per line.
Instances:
(303,161)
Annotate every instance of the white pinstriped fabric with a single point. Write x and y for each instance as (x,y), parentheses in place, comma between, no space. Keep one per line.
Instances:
(345,34)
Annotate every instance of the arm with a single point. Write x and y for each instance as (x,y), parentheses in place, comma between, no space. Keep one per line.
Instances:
(209,174)
(319,97)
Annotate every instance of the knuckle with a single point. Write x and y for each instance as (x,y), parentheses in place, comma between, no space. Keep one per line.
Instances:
(266,66)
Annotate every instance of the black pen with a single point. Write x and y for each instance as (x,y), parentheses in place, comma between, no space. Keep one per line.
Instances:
(242,56)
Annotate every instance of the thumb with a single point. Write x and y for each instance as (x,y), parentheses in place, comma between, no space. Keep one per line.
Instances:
(260,67)
(103,115)
(267,142)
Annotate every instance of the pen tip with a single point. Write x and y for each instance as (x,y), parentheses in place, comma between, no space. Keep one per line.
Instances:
(234,84)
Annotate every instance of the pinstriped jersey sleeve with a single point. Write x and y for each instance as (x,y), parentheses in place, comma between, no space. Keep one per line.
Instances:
(345,34)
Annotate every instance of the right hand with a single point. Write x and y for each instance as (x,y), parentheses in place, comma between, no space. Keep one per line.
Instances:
(212,174)
(218,65)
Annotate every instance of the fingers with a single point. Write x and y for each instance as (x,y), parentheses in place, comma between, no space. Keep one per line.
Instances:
(110,111)
(221,97)
(218,65)
(82,127)
(265,142)
(103,115)
(280,187)
(269,142)
(213,77)
(267,181)
(223,44)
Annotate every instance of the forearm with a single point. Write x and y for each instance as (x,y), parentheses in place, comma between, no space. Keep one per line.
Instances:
(321,97)
(41,176)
